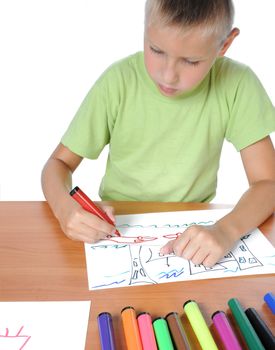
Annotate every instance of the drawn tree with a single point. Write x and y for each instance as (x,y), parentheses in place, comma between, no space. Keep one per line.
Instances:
(138,273)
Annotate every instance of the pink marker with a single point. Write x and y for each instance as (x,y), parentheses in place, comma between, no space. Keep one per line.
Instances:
(225,331)
(146,331)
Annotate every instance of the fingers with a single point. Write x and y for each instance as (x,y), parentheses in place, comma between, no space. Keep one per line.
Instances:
(176,246)
(210,260)
(96,223)
(167,248)
(84,226)
(198,244)
(200,257)
(84,233)
(110,212)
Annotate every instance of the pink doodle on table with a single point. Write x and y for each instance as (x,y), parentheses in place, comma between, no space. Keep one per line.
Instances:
(13,342)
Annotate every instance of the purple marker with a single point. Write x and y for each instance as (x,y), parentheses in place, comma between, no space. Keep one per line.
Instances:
(225,331)
(106,331)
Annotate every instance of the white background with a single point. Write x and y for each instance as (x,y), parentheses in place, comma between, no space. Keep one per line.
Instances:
(52,51)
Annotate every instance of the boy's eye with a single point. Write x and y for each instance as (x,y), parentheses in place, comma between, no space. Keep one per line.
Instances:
(155,50)
(191,63)
(184,60)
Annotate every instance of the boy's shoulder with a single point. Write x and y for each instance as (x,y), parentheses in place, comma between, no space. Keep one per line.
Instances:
(229,75)
(125,66)
(228,68)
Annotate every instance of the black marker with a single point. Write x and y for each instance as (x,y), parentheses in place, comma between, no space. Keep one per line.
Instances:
(263,332)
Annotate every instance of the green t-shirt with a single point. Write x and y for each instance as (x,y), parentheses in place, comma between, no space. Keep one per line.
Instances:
(167,149)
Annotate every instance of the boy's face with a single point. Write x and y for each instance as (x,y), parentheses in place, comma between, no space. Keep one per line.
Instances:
(178,61)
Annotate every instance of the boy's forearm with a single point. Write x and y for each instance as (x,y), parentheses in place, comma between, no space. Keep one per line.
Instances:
(56,184)
(254,207)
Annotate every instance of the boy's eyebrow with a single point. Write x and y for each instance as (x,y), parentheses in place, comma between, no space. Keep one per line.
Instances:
(184,58)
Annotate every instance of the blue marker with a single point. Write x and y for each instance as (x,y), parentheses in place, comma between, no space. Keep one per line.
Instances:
(269,298)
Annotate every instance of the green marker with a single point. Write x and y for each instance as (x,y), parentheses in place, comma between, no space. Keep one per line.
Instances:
(162,334)
(250,336)
(199,325)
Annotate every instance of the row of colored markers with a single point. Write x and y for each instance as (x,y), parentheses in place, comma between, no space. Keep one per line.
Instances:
(141,333)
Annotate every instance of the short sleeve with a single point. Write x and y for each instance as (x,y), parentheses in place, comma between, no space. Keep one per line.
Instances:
(90,129)
(252,115)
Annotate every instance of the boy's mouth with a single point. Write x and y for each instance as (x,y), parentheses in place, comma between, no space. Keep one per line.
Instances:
(167,90)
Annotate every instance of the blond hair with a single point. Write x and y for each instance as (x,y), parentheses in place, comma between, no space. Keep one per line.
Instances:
(212,16)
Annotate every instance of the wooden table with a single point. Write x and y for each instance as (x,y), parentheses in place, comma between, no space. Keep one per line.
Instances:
(38,262)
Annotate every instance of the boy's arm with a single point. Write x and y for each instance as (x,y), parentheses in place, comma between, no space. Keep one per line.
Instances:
(258,202)
(76,222)
(208,244)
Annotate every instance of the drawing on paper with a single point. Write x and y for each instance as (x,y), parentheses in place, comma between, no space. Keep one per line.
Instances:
(137,261)
(143,259)
(13,341)
(30,325)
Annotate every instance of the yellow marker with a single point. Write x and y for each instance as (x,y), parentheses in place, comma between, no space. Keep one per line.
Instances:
(199,325)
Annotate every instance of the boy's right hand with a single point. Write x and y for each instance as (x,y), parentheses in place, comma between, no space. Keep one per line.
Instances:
(79,224)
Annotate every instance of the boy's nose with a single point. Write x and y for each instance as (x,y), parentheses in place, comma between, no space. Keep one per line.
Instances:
(170,75)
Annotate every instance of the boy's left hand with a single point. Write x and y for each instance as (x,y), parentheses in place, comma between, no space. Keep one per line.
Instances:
(201,244)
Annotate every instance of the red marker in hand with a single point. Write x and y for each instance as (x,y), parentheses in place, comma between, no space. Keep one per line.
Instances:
(89,205)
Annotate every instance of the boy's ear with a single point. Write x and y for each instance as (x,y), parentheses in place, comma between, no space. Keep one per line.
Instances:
(228,41)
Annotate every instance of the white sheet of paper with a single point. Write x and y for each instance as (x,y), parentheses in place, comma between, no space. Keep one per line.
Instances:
(134,259)
(43,325)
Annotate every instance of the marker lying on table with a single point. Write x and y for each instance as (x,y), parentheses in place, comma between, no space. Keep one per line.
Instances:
(250,336)
(264,333)
(225,331)
(162,334)
(199,325)
(106,331)
(88,205)
(177,331)
(146,331)
(269,298)
(130,327)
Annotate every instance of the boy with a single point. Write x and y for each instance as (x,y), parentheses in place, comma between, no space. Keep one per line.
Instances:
(165,114)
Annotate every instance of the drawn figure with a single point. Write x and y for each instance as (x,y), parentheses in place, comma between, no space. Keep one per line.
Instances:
(172,235)
(162,267)
(131,239)
(182,225)
(244,257)
(138,273)
(137,235)
(201,268)
(16,341)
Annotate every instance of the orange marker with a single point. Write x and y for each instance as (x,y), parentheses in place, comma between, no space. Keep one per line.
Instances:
(130,327)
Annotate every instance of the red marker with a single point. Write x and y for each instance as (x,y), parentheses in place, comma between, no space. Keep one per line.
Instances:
(88,205)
